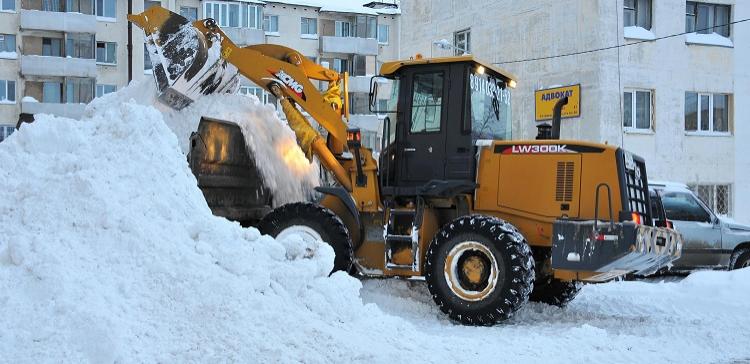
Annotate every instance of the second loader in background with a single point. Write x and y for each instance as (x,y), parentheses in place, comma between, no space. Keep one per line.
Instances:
(489,222)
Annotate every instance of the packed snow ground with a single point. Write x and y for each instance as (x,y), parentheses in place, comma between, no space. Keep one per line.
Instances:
(109,254)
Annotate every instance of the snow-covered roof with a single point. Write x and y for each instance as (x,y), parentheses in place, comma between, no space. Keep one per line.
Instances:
(339,6)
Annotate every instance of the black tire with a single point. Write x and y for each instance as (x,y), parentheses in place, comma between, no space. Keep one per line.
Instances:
(547,288)
(740,259)
(329,226)
(479,241)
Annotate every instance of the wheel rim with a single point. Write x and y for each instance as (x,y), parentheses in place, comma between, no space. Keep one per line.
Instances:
(471,271)
(307,233)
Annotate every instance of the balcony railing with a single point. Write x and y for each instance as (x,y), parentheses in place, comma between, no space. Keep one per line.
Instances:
(73,111)
(349,45)
(57,66)
(58,21)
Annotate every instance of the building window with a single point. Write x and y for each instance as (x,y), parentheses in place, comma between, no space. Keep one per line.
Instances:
(706,112)
(80,6)
(8,5)
(234,15)
(7,43)
(340,65)
(718,197)
(102,90)
(79,45)
(366,26)
(462,42)
(343,29)
(383,33)
(637,13)
(258,92)
(309,26)
(146,59)
(52,92)
(637,113)
(6,131)
(106,8)
(707,18)
(7,91)
(189,13)
(52,47)
(106,52)
(52,5)
(79,90)
(271,23)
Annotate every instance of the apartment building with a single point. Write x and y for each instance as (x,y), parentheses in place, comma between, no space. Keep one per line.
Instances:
(681,102)
(57,55)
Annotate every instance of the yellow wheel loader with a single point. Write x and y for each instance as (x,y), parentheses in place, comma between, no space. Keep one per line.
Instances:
(487,221)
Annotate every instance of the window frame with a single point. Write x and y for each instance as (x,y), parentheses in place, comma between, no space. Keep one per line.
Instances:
(636,9)
(6,46)
(101,88)
(442,73)
(457,51)
(711,117)
(387,33)
(305,27)
(6,131)
(184,9)
(634,111)
(106,61)
(712,18)
(8,10)
(219,11)
(105,9)
(10,95)
(267,28)
(338,29)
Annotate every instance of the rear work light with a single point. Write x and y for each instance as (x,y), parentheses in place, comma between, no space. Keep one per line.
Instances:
(636,217)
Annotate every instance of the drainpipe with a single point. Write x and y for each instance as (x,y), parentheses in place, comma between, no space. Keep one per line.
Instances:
(130,43)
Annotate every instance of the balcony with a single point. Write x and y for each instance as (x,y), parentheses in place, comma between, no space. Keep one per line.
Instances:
(349,45)
(245,36)
(359,84)
(73,111)
(58,21)
(57,66)
(365,122)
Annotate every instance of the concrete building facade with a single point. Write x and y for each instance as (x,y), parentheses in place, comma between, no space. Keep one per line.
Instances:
(57,55)
(682,102)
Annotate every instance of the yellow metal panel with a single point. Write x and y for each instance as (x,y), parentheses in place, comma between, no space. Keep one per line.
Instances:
(389,68)
(546,100)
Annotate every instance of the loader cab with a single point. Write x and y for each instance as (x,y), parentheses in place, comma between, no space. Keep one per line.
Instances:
(436,112)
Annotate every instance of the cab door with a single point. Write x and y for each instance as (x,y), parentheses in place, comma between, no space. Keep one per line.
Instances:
(423,132)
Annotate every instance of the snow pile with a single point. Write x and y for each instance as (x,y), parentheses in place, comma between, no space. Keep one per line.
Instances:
(109,253)
(282,164)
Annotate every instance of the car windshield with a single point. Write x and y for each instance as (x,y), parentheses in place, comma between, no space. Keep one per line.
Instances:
(682,206)
(490,106)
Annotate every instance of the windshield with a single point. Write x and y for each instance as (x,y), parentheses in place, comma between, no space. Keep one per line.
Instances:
(490,107)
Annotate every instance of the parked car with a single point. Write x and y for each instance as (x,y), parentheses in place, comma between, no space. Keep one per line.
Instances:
(710,241)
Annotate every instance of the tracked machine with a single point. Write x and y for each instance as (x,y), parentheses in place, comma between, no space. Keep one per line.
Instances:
(487,221)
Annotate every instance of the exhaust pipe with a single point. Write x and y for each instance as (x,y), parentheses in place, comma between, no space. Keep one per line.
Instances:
(556,115)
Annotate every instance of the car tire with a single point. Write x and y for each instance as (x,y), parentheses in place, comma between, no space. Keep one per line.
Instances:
(479,270)
(740,259)
(315,220)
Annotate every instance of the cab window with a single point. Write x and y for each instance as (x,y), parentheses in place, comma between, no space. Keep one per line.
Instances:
(427,102)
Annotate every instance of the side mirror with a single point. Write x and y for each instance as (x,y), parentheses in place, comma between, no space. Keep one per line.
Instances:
(373,94)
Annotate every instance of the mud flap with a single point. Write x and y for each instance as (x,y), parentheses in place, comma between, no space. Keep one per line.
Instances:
(606,250)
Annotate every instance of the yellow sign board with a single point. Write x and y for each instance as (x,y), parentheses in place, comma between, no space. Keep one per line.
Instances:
(546,100)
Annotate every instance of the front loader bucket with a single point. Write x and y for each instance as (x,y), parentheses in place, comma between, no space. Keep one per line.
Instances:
(184,63)
(226,172)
